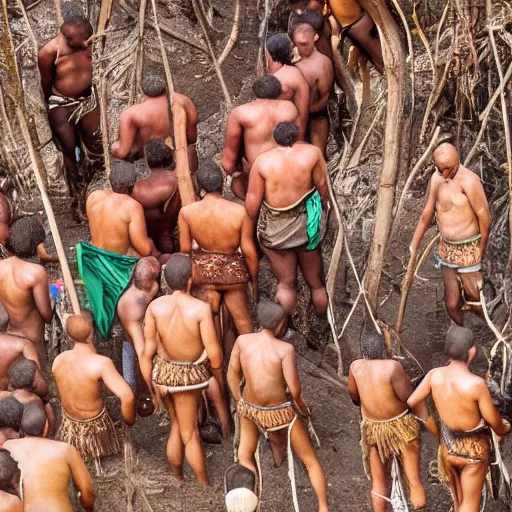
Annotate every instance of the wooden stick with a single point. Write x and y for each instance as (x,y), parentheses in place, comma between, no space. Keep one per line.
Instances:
(106,8)
(233,37)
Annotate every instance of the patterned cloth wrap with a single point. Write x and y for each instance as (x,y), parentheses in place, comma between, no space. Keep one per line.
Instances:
(83,105)
(218,268)
(463,255)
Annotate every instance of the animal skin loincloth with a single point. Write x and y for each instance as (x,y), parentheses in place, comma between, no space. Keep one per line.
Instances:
(93,438)
(463,255)
(390,437)
(83,105)
(218,268)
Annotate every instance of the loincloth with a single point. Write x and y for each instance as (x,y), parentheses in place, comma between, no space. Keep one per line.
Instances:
(93,438)
(463,256)
(106,276)
(82,105)
(218,268)
(301,224)
(175,376)
(321,114)
(267,419)
(390,437)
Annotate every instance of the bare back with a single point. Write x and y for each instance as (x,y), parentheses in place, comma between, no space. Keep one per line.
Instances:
(289,76)
(11,347)
(153,192)
(10,503)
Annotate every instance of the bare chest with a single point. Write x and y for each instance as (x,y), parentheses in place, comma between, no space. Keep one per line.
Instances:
(451,196)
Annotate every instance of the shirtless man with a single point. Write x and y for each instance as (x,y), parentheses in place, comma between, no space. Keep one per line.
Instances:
(181,347)
(467,415)
(295,88)
(151,119)
(249,129)
(9,474)
(288,188)
(272,389)
(24,291)
(79,374)
(318,72)
(457,198)
(159,196)
(227,255)
(380,386)
(65,65)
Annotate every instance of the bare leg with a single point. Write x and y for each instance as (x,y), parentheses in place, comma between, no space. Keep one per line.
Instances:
(88,128)
(214,393)
(310,263)
(284,268)
(473,282)
(411,466)
(318,132)
(238,306)
(239,186)
(452,295)
(249,437)
(301,445)
(472,479)
(278,446)
(186,405)
(380,482)
(174,450)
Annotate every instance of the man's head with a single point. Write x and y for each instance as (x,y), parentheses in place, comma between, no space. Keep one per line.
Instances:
(33,421)
(22,373)
(460,344)
(446,159)
(79,327)
(9,471)
(158,155)
(304,36)
(153,83)
(373,346)
(269,314)
(123,177)
(315,18)
(146,271)
(209,178)
(286,134)
(178,272)
(76,27)
(25,235)
(11,412)
(279,48)
(268,87)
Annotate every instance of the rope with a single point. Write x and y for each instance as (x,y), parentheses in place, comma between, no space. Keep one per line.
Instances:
(291,467)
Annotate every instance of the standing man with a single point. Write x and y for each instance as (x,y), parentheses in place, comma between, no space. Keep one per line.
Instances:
(467,415)
(318,72)
(79,373)
(457,198)
(249,130)
(288,189)
(380,386)
(270,402)
(294,85)
(181,348)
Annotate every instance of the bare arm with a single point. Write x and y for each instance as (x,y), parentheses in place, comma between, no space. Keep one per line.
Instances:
(255,191)
(320,178)
(192,119)
(421,392)
(426,216)
(185,235)
(476,196)
(127,133)
(82,479)
(117,385)
(291,377)
(489,413)
(301,100)
(45,60)
(211,344)
(234,134)
(352,388)
(137,231)
(324,88)
(250,253)
(235,372)
(150,346)
(42,295)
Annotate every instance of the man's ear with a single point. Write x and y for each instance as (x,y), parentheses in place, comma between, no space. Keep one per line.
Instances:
(316,38)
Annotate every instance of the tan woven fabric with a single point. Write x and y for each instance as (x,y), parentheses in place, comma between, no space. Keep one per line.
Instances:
(267,419)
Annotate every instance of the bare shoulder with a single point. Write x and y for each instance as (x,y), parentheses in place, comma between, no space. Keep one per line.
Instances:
(34,273)
(470,178)
(189,209)
(50,48)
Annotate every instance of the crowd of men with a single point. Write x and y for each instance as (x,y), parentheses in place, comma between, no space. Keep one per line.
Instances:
(176,352)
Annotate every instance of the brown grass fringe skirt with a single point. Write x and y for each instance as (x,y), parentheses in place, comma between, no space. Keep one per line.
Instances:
(390,437)
(93,438)
(172,376)
(267,419)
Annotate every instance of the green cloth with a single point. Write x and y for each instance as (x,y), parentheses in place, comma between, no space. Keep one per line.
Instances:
(314,220)
(105,275)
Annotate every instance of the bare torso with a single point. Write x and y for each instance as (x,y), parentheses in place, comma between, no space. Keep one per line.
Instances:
(153,192)
(288,76)
(345,11)
(10,503)
(11,347)
(315,68)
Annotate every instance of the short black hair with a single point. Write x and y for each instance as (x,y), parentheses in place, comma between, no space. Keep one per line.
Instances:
(25,235)
(73,14)
(209,178)
(178,271)
(280,48)
(123,176)
(314,18)
(153,83)
(11,412)
(457,343)
(158,154)
(269,314)
(8,470)
(22,372)
(286,134)
(301,22)
(373,346)
(33,421)
(147,269)
(268,87)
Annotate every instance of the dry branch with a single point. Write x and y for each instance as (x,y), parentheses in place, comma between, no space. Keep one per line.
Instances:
(233,36)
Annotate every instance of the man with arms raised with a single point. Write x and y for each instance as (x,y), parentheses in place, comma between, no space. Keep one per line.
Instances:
(318,72)
(457,199)
(380,386)
(79,373)
(152,119)
(294,85)
(181,348)
(24,291)
(271,399)
(288,188)
(227,255)
(249,129)
(118,238)
(467,415)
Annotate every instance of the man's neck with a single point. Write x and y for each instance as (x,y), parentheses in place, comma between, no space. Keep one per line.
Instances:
(214,195)
(273,67)
(454,363)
